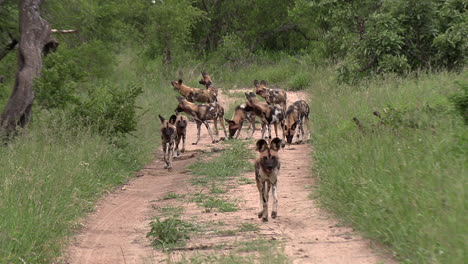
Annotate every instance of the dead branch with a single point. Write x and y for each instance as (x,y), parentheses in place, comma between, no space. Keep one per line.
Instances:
(65,31)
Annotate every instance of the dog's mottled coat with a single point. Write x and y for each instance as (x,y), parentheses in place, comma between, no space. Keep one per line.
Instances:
(168,136)
(267,168)
(202,113)
(296,115)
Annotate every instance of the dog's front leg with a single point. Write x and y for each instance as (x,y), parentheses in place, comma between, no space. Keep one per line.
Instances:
(264,128)
(199,123)
(266,190)
(209,131)
(215,121)
(274,212)
(171,153)
(183,143)
(239,130)
(164,146)
(177,141)
(221,120)
(260,186)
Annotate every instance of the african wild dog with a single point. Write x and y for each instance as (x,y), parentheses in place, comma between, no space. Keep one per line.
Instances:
(267,167)
(168,135)
(206,80)
(269,114)
(241,113)
(272,96)
(296,116)
(181,127)
(195,94)
(201,113)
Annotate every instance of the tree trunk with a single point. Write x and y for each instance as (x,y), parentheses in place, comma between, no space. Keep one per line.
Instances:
(34,34)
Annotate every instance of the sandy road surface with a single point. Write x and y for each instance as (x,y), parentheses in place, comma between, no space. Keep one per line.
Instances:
(116,232)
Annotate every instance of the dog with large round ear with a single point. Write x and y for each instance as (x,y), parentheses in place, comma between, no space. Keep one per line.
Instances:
(267,168)
(275,144)
(255,82)
(262,145)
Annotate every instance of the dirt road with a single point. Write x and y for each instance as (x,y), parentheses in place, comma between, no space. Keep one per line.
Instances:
(116,232)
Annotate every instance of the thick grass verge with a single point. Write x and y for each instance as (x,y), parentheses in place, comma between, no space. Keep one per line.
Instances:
(51,174)
(401,182)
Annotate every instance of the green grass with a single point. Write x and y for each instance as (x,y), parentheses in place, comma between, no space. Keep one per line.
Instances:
(52,175)
(172,195)
(245,180)
(170,232)
(231,162)
(217,172)
(256,251)
(401,183)
(172,210)
(248,227)
(217,202)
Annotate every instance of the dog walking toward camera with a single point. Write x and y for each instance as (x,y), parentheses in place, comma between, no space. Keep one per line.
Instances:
(267,168)
(181,133)
(168,136)
(241,114)
(296,116)
(202,113)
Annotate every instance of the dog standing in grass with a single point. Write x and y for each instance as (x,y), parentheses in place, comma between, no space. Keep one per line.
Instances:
(267,167)
(168,136)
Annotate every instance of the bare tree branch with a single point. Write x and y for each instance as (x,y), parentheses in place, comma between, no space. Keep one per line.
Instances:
(65,31)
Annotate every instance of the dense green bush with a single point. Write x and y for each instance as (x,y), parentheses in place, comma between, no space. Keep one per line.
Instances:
(388,36)
(109,109)
(66,69)
(57,86)
(299,82)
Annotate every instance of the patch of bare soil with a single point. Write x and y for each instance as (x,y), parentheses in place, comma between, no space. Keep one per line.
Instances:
(116,232)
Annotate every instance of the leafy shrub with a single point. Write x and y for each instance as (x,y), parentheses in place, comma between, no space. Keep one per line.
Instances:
(110,110)
(460,100)
(168,232)
(65,68)
(299,82)
(232,51)
(57,86)
(375,37)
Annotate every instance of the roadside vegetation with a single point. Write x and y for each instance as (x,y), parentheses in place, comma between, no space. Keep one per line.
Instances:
(399,179)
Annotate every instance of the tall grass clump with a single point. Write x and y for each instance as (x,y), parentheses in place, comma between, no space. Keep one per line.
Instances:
(399,179)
